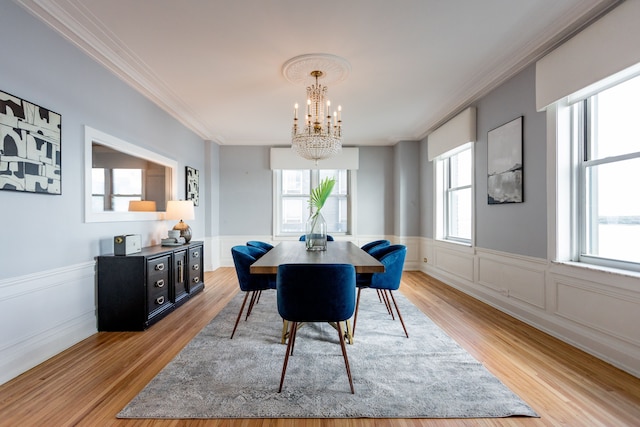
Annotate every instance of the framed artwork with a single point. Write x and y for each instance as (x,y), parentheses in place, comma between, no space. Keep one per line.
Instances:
(30,147)
(504,163)
(193,185)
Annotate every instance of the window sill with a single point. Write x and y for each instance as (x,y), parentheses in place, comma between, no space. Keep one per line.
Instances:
(583,266)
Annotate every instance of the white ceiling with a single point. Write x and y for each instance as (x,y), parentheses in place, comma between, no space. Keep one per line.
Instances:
(216,65)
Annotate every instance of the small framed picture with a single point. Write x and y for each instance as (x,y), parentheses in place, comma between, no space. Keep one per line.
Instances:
(193,185)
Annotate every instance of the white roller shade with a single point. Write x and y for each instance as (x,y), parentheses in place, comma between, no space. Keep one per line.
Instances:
(456,132)
(286,158)
(610,45)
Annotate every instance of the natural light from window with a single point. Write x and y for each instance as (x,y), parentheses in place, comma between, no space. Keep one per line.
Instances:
(611,171)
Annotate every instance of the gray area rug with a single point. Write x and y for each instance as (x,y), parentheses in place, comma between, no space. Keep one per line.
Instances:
(425,376)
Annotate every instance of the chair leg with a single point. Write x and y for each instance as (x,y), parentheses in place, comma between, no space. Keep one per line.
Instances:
(399,315)
(289,350)
(254,296)
(355,316)
(379,296)
(244,301)
(388,303)
(344,355)
(293,337)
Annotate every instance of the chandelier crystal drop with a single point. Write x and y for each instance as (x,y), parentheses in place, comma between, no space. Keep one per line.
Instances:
(319,136)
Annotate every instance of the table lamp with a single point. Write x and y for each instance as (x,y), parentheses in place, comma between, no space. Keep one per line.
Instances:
(181,209)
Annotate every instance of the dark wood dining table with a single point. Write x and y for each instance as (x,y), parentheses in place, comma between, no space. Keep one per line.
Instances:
(338,252)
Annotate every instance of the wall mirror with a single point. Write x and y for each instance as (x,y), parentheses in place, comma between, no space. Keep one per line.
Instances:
(125,182)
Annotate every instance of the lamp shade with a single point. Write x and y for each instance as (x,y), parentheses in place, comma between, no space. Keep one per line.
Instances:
(180,209)
(142,206)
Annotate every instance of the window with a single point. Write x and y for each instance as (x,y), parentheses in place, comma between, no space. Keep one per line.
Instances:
(454,180)
(113,189)
(606,138)
(292,201)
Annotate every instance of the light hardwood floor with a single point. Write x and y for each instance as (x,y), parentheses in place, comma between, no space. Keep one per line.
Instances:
(88,384)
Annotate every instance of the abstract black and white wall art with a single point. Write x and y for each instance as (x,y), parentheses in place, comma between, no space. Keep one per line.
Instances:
(193,183)
(505,172)
(30,150)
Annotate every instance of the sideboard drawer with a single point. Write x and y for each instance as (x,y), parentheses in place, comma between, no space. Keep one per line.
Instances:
(158,268)
(157,300)
(195,266)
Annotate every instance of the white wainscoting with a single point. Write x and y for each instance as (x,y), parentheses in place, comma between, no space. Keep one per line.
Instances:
(522,278)
(43,314)
(597,311)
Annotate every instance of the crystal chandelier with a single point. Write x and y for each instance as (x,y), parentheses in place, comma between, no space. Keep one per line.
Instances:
(319,136)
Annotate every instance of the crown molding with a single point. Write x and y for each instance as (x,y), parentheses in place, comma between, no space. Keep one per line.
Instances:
(495,74)
(74,22)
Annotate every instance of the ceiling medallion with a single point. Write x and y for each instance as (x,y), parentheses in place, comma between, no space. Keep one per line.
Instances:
(319,135)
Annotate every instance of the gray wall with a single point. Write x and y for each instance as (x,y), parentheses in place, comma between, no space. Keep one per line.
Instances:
(376,191)
(43,232)
(407,188)
(519,228)
(426,192)
(246,181)
(212,184)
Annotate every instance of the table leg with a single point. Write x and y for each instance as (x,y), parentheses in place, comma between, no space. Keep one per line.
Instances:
(348,332)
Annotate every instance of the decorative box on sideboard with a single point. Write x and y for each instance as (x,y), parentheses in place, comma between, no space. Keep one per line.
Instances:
(137,290)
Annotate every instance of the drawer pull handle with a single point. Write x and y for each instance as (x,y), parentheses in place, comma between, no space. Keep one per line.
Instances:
(195,254)
(180,271)
(159,267)
(196,279)
(160,300)
(160,283)
(196,267)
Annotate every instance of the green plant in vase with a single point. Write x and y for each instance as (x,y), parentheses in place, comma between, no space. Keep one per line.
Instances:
(316,229)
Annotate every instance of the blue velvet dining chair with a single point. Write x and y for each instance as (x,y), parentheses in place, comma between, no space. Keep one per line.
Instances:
(371,248)
(368,247)
(392,257)
(315,293)
(258,244)
(304,238)
(251,284)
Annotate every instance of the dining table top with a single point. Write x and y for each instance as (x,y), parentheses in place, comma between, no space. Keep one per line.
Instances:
(295,252)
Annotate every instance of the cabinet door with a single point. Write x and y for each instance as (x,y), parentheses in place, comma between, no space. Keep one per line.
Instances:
(158,285)
(180,275)
(195,264)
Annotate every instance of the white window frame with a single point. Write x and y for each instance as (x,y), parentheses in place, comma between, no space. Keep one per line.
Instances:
(351,204)
(563,187)
(442,196)
(581,132)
